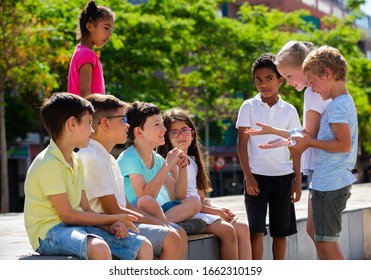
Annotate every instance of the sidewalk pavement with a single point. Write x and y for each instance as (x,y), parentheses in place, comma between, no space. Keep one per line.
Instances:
(14,242)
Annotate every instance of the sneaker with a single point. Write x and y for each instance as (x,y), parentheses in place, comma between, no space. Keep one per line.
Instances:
(193,226)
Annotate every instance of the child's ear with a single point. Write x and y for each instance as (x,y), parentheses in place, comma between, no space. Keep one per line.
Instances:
(104,123)
(137,131)
(89,26)
(71,123)
(328,73)
(281,80)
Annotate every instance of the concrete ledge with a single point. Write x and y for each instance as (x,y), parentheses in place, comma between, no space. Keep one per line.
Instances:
(200,247)
(355,238)
(203,247)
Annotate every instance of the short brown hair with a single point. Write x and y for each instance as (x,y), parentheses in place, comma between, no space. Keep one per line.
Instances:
(105,105)
(57,109)
(326,57)
(137,114)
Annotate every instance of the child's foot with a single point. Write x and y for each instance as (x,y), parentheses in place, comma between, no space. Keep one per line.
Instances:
(193,226)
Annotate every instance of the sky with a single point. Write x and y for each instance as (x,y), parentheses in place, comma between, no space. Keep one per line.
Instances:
(367,7)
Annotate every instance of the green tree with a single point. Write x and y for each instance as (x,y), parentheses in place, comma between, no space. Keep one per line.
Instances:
(21,47)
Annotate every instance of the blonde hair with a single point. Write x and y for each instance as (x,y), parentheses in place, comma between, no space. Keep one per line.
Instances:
(293,53)
(326,57)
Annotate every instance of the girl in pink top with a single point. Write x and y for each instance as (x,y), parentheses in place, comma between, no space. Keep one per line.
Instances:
(85,74)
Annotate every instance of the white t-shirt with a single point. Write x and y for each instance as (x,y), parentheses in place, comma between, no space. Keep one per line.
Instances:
(268,162)
(312,101)
(192,170)
(102,175)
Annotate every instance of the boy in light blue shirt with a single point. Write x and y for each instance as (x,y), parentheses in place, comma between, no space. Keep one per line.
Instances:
(337,140)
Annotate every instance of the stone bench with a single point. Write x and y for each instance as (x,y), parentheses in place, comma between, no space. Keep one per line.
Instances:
(200,247)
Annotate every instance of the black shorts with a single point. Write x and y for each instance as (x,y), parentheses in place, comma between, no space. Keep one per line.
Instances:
(275,192)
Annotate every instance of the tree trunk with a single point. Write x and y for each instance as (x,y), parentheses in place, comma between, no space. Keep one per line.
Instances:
(4,156)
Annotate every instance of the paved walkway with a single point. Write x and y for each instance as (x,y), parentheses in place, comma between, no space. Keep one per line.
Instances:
(14,242)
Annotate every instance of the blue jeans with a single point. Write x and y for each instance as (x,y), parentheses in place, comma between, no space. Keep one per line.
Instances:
(63,239)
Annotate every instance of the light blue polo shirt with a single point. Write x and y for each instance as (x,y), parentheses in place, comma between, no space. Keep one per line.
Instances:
(333,171)
(130,162)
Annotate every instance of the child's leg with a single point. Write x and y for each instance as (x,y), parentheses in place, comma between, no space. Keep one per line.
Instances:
(243,237)
(129,248)
(170,247)
(310,227)
(329,251)
(187,209)
(257,245)
(327,208)
(149,205)
(279,248)
(227,236)
(146,251)
(98,249)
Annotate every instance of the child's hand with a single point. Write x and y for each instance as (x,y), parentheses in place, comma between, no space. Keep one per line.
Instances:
(226,214)
(128,220)
(279,142)
(252,187)
(172,157)
(119,230)
(183,160)
(266,129)
(302,143)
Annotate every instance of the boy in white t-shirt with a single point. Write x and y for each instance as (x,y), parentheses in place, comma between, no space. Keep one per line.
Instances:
(104,183)
(271,177)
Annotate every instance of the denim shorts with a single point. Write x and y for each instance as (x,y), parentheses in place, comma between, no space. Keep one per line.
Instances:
(170,204)
(155,234)
(63,239)
(327,208)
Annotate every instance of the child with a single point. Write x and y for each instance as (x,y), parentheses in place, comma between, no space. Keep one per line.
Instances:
(85,74)
(234,235)
(325,70)
(289,62)
(146,173)
(269,174)
(104,184)
(57,215)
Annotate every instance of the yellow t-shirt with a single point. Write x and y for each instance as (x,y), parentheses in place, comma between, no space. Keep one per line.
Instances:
(50,174)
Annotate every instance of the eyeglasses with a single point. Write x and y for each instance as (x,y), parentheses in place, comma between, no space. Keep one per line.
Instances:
(124,118)
(186,131)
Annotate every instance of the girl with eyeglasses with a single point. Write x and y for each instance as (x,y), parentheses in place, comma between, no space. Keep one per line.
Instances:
(233,234)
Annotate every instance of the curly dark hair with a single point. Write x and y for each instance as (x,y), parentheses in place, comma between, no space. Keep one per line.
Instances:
(91,13)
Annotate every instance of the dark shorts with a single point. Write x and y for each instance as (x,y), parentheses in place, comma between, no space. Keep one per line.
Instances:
(170,204)
(275,193)
(327,208)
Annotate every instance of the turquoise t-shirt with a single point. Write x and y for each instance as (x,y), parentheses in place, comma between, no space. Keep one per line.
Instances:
(130,162)
(333,171)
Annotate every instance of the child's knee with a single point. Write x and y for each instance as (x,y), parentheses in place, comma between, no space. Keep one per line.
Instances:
(98,249)
(195,204)
(146,251)
(147,202)
(172,240)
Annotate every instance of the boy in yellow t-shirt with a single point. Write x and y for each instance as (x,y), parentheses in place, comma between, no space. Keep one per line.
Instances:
(57,215)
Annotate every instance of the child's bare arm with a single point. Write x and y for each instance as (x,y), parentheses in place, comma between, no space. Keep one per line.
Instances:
(85,79)
(152,188)
(251,187)
(267,129)
(296,188)
(342,142)
(208,208)
(87,217)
